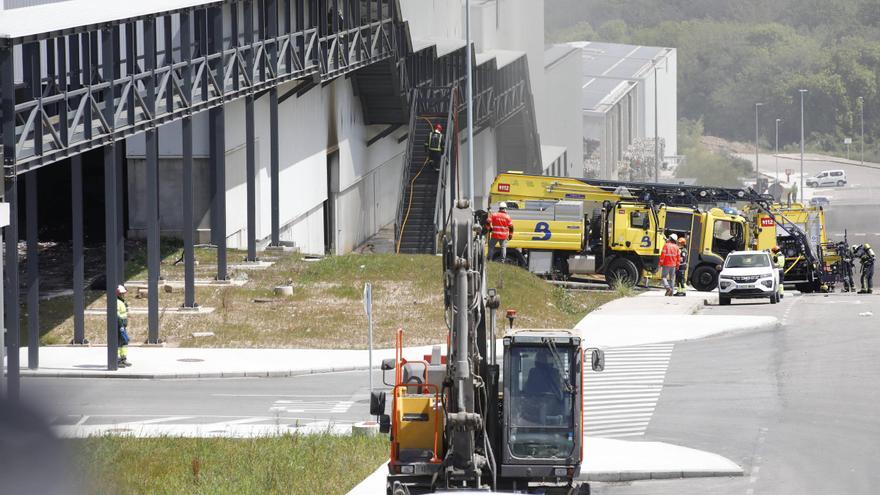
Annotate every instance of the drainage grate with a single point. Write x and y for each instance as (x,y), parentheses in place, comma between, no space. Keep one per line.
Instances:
(190,360)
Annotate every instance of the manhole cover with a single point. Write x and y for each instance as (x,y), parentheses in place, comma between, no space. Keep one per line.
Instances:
(190,360)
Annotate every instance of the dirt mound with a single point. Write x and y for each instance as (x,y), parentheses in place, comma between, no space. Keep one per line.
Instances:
(720,145)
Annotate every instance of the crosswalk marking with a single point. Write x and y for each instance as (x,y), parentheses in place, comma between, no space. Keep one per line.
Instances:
(620,401)
(312,406)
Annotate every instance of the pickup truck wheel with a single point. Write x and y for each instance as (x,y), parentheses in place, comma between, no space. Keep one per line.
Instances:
(705,278)
(622,270)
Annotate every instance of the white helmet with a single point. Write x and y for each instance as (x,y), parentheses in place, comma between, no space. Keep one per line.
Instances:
(502,205)
(674,237)
(120,289)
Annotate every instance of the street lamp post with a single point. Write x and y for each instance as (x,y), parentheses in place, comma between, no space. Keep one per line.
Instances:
(777,149)
(802,91)
(656,131)
(756,144)
(862,116)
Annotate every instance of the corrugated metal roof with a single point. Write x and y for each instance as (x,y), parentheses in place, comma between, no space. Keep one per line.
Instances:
(609,69)
(31,21)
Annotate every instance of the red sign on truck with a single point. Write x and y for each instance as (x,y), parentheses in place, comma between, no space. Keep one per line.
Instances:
(504,188)
(767,222)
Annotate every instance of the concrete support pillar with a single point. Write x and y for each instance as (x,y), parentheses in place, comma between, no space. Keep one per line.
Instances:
(152,182)
(33,271)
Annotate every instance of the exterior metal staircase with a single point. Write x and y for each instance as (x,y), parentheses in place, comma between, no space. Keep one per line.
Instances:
(425,197)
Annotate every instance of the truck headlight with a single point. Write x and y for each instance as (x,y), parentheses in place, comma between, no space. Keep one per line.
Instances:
(407,469)
(560,471)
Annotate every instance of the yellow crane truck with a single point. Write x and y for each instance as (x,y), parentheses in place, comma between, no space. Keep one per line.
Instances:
(625,245)
(565,227)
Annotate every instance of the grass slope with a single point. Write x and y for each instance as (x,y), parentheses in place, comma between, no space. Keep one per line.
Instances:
(290,464)
(326,310)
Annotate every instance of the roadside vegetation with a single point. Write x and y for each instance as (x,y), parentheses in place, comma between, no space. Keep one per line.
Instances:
(326,309)
(734,54)
(317,464)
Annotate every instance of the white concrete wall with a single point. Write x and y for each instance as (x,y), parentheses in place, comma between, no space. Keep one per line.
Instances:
(434,19)
(563,124)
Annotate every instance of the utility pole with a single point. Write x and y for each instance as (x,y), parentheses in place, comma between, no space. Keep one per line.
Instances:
(777,149)
(756,144)
(802,91)
(470,99)
(862,139)
(656,131)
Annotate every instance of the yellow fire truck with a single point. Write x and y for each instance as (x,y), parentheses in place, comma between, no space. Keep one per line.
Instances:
(625,244)
(565,227)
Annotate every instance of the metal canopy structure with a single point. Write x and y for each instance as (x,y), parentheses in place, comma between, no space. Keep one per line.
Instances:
(84,74)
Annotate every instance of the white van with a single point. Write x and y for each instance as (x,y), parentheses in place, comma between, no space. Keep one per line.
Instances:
(828,178)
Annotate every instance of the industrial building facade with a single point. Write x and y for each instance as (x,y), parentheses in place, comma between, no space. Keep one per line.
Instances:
(248,123)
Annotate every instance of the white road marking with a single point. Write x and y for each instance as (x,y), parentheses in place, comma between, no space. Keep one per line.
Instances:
(311,406)
(620,401)
(82,420)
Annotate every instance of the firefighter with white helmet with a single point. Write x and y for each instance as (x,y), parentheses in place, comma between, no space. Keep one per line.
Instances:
(122,327)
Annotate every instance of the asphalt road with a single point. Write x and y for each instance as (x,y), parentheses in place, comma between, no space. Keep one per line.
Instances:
(339,398)
(798,407)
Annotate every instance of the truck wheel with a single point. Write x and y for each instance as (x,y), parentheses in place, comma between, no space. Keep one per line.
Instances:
(840,183)
(705,278)
(622,270)
(723,301)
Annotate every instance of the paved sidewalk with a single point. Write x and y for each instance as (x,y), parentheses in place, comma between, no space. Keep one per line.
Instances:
(651,318)
(609,460)
(179,362)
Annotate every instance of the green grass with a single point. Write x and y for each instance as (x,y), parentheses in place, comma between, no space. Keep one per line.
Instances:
(290,464)
(325,310)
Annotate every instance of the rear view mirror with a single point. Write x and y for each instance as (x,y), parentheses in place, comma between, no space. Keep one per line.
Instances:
(377,403)
(597,357)
(387,364)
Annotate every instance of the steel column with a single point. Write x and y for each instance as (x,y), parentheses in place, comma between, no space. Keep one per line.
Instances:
(189,291)
(274,166)
(111,252)
(12,295)
(250,138)
(218,144)
(152,182)
(76,223)
(111,206)
(10,279)
(251,179)
(218,162)
(33,271)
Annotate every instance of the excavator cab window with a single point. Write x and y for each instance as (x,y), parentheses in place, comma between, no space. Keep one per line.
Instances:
(541,402)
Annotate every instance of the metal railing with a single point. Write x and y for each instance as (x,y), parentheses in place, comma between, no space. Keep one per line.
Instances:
(85,92)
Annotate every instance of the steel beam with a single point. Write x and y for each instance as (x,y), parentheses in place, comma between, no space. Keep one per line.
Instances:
(12,294)
(189,291)
(76,224)
(33,271)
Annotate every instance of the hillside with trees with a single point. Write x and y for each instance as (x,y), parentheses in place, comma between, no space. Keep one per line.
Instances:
(733,54)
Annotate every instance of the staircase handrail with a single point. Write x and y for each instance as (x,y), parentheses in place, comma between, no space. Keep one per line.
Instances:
(446,163)
(405,174)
